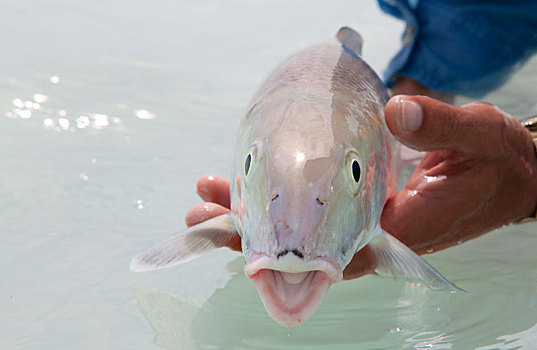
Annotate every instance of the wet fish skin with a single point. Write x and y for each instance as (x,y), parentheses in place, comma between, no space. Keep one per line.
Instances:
(314,164)
(315,112)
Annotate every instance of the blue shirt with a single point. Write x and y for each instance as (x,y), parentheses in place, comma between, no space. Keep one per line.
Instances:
(467,47)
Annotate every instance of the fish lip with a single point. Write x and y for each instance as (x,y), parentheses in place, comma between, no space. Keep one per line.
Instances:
(259,261)
(291,303)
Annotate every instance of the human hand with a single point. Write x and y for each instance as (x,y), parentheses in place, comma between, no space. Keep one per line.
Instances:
(479,172)
(214,190)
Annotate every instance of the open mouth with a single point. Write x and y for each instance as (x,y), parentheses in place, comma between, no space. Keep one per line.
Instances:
(290,288)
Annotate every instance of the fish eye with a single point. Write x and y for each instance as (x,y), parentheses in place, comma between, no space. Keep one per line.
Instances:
(251,159)
(247,164)
(355,170)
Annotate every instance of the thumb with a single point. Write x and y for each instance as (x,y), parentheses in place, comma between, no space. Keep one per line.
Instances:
(426,124)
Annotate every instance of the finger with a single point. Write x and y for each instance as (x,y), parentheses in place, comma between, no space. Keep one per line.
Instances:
(203,212)
(206,211)
(213,188)
(426,124)
(362,263)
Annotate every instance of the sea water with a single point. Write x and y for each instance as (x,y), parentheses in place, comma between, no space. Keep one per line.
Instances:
(110,112)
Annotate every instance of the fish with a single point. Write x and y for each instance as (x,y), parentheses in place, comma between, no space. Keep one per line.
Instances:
(313,165)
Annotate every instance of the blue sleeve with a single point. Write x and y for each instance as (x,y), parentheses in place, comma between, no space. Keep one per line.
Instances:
(467,47)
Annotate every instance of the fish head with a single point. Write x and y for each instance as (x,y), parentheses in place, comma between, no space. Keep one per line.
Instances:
(305,195)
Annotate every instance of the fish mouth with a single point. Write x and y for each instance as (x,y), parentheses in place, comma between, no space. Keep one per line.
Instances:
(290,288)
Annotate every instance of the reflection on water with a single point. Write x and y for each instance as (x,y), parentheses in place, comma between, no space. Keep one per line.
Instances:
(375,312)
(170,316)
(144,114)
(430,340)
(352,313)
(420,309)
(59,119)
(526,339)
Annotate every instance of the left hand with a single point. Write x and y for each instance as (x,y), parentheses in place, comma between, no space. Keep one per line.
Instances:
(214,190)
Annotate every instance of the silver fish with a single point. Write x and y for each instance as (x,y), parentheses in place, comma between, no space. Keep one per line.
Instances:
(314,164)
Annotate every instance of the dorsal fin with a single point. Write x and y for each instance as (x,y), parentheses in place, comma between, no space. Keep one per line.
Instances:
(350,39)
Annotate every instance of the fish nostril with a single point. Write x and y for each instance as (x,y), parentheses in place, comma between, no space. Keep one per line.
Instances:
(280,254)
(274,197)
(298,253)
(294,251)
(320,201)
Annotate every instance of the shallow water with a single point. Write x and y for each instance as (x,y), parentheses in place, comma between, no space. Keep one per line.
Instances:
(109,113)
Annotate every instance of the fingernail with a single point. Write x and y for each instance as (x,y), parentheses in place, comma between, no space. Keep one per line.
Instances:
(411,114)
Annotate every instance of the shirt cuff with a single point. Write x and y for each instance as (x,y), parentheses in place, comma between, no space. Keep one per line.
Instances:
(464,47)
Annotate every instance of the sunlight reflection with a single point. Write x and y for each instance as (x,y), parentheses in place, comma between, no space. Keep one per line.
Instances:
(140,204)
(431,340)
(144,114)
(60,120)
(64,123)
(100,121)
(24,113)
(82,122)
(48,123)
(17,102)
(40,98)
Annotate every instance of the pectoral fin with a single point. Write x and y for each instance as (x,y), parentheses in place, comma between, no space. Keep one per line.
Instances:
(397,259)
(186,245)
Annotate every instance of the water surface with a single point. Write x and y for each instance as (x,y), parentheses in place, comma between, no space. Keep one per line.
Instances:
(109,113)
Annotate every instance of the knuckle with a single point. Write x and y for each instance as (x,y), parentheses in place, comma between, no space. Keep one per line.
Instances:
(485,112)
(489,126)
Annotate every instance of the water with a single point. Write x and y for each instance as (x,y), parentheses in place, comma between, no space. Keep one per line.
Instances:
(128,104)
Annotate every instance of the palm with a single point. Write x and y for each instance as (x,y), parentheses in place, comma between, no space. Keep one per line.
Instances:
(441,201)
